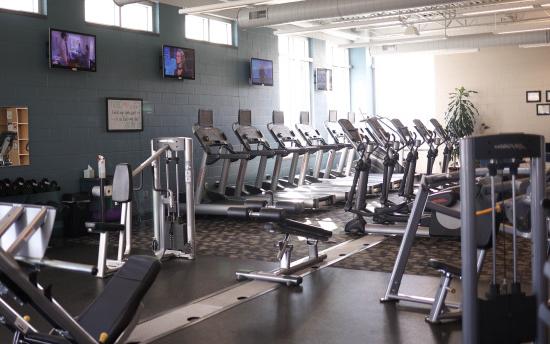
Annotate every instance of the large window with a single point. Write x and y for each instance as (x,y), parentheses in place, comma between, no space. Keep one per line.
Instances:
(138,16)
(32,6)
(294,77)
(338,61)
(208,30)
(405,86)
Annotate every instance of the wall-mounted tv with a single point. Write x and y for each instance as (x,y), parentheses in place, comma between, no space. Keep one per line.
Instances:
(261,72)
(72,50)
(178,63)
(323,79)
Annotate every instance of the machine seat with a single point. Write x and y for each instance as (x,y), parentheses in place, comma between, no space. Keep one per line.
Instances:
(102,227)
(444,267)
(45,338)
(115,307)
(300,229)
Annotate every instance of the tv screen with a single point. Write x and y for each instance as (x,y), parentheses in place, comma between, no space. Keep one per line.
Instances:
(72,50)
(261,72)
(178,63)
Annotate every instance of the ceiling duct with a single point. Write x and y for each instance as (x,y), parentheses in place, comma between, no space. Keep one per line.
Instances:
(323,9)
(127,2)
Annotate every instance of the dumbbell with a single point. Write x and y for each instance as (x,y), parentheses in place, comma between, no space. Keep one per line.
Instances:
(5,187)
(32,186)
(46,185)
(18,186)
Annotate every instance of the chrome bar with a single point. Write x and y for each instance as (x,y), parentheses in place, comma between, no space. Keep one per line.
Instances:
(468,243)
(189,196)
(149,160)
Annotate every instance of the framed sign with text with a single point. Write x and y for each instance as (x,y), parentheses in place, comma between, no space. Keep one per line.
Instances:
(124,114)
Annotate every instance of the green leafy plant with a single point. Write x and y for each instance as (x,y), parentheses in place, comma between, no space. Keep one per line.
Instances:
(461,115)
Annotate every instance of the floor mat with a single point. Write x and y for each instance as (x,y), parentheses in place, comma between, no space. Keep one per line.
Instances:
(224,237)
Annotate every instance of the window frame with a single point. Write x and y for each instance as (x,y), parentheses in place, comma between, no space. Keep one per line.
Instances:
(232,24)
(42,10)
(155,21)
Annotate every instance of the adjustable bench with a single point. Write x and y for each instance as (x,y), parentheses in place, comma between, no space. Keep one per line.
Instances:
(289,227)
(24,234)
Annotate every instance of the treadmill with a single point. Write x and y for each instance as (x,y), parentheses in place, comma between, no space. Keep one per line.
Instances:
(256,145)
(287,139)
(217,148)
(313,138)
(347,155)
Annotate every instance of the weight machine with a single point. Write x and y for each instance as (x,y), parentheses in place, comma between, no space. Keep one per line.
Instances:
(173,227)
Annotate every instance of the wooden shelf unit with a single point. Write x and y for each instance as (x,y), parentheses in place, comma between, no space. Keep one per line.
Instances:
(16,119)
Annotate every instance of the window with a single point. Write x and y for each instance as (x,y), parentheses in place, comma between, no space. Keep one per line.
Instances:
(208,30)
(294,77)
(405,86)
(137,16)
(31,6)
(338,60)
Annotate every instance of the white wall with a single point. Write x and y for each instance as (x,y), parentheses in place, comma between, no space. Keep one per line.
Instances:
(501,75)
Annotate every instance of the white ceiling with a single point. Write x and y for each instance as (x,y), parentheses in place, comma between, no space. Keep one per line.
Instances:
(479,17)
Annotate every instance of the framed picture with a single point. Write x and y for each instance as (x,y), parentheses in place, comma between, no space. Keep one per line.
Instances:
(124,114)
(543,109)
(323,79)
(548,96)
(533,96)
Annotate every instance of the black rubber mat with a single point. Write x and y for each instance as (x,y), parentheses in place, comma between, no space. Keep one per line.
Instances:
(224,237)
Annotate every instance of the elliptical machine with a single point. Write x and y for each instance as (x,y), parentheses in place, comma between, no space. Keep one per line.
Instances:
(406,188)
(449,144)
(431,140)
(383,213)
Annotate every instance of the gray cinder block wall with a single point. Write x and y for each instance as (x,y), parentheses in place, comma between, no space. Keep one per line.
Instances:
(67,109)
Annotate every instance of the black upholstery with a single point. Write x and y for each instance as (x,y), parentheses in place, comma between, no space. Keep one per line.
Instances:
(40,338)
(444,267)
(114,308)
(122,184)
(100,227)
(300,229)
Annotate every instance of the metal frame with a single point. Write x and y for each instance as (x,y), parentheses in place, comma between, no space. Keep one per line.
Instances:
(516,146)
(440,310)
(165,201)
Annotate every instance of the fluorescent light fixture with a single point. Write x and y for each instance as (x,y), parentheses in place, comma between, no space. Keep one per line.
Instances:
(534,45)
(522,31)
(498,10)
(394,42)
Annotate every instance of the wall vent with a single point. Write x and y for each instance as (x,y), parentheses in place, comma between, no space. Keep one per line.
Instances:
(255,15)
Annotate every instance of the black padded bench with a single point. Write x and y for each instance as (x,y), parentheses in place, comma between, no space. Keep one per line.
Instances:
(112,311)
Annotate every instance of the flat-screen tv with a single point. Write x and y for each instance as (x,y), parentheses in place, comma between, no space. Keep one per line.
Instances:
(323,79)
(261,72)
(178,63)
(72,50)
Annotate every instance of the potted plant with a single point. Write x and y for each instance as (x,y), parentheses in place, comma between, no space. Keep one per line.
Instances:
(460,117)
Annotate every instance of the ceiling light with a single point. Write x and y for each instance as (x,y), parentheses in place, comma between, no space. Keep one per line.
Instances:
(522,30)
(534,45)
(499,10)
(411,30)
